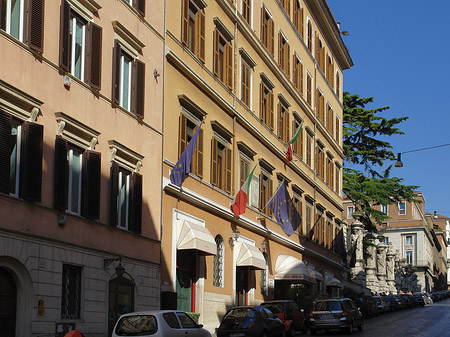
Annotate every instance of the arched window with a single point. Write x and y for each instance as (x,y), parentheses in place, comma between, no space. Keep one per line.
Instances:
(309,33)
(219,262)
(265,278)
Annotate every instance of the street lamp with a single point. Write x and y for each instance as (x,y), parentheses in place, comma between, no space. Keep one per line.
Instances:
(399,163)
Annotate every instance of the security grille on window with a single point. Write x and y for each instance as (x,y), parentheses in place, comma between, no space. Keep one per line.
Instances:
(71,292)
(267,30)
(193,30)
(218,271)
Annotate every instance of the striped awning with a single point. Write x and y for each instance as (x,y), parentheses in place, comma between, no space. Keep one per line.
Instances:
(314,273)
(290,268)
(193,236)
(249,256)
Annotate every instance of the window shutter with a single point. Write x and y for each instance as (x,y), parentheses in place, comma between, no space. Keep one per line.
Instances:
(269,192)
(90,207)
(263,27)
(216,52)
(288,7)
(270,103)
(36,25)
(182,136)
(295,15)
(61,167)
(301,23)
(287,59)
(280,52)
(199,168)
(138,88)
(5,150)
(114,191)
(295,71)
(279,121)
(65,36)
(229,65)
(287,126)
(261,104)
(31,162)
(300,143)
(261,193)
(185,27)
(294,129)
(200,35)
(95,55)
(300,76)
(214,162)
(228,175)
(116,72)
(140,6)
(135,215)
(270,32)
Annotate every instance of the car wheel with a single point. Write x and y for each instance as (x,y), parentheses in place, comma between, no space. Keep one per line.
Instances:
(313,332)
(350,328)
(291,331)
(264,334)
(360,327)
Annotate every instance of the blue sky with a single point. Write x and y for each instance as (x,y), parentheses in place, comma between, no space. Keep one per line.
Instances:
(401,52)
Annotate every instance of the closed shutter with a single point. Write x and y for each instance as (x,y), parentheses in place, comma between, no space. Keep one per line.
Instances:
(295,71)
(279,121)
(216,52)
(65,36)
(280,51)
(5,150)
(95,55)
(300,143)
(36,25)
(294,130)
(31,162)
(288,7)
(199,152)
(286,126)
(287,53)
(262,194)
(182,135)
(301,31)
(263,27)
(270,109)
(214,162)
(140,6)
(300,76)
(138,88)
(61,168)
(229,65)
(90,207)
(116,72)
(271,37)
(185,27)
(227,166)
(262,115)
(135,214)
(269,191)
(200,35)
(295,15)
(114,191)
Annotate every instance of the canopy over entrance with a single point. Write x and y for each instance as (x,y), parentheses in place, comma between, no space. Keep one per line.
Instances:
(249,256)
(290,268)
(193,236)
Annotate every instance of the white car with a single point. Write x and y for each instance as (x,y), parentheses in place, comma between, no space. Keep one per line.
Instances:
(158,323)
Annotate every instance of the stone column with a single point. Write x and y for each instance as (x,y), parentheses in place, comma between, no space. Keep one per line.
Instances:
(390,269)
(371,264)
(381,267)
(359,275)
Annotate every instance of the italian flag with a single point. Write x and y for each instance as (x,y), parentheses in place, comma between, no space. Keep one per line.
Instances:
(240,202)
(289,155)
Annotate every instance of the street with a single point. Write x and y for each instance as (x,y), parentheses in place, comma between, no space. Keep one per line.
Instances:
(429,321)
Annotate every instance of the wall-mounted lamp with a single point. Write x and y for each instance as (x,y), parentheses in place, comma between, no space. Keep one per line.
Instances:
(120,270)
(236,233)
(399,163)
(264,245)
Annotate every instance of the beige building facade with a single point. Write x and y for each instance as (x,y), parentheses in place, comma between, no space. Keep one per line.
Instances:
(253,71)
(80,146)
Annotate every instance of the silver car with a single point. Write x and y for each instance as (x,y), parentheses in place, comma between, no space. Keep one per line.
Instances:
(158,323)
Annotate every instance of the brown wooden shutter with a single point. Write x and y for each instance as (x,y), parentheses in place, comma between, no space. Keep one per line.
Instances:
(287,126)
(271,37)
(185,26)
(261,193)
(216,52)
(300,143)
(61,167)
(295,15)
(270,109)
(268,196)
(263,27)
(35,34)
(138,88)
(95,55)
(261,103)
(114,192)
(288,7)
(140,6)
(116,72)
(301,24)
(1,15)
(199,155)
(229,65)
(280,53)
(135,214)
(294,129)
(228,175)
(90,207)
(182,135)
(279,121)
(214,162)
(287,59)
(31,162)
(294,70)
(200,35)
(5,150)
(300,76)
(64,58)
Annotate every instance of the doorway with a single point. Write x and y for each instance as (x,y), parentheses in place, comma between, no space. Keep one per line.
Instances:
(8,304)
(186,277)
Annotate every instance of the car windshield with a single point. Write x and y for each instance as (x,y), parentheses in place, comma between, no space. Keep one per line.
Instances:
(378,300)
(137,325)
(244,317)
(327,306)
(276,308)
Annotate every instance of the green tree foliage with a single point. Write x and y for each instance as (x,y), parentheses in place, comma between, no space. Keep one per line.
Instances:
(366,183)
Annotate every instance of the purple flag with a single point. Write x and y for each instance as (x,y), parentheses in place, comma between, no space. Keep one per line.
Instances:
(284,211)
(183,165)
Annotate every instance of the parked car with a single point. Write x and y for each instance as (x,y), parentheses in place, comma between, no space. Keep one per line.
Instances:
(419,299)
(250,321)
(368,306)
(158,323)
(382,304)
(289,313)
(401,302)
(393,304)
(428,299)
(409,299)
(339,313)
(435,296)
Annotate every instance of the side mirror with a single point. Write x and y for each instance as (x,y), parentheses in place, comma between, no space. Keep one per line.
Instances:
(199,325)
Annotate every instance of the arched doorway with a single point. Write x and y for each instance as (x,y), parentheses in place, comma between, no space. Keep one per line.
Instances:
(8,304)
(121,299)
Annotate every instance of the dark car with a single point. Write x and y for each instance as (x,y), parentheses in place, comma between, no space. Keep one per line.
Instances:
(409,299)
(289,313)
(393,304)
(419,299)
(368,306)
(250,321)
(436,296)
(339,313)
(401,302)
(382,304)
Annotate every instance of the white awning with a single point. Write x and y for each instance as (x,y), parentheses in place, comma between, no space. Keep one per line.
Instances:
(193,236)
(331,281)
(249,256)
(314,273)
(290,268)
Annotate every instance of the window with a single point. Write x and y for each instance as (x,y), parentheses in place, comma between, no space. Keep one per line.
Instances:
(186,321)
(384,209)
(71,292)
(21,158)
(330,119)
(81,45)
(139,5)
(329,231)
(320,161)
(128,80)
(299,207)
(267,30)
(309,35)
(330,71)
(266,104)
(223,55)
(330,172)
(245,83)
(337,179)
(350,210)
(409,240)
(221,165)
(187,130)
(24,20)
(265,277)
(309,143)
(286,5)
(265,192)
(247,10)
(320,105)
(298,17)
(283,122)
(338,85)
(283,53)
(297,147)
(319,231)
(309,89)
(308,217)
(338,128)
(386,240)
(298,74)
(121,298)
(218,271)
(193,30)
(320,53)
(401,208)
(409,257)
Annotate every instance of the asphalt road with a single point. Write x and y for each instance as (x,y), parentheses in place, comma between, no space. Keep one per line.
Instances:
(430,321)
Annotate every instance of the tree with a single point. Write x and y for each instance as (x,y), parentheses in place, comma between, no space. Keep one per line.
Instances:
(367,183)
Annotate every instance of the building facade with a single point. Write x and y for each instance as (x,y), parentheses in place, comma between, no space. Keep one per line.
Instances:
(253,72)
(80,207)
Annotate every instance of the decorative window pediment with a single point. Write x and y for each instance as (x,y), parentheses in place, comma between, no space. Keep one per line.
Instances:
(221,131)
(125,157)
(227,35)
(191,109)
(86,8)
(247,57)
(267,81)
(127,40)
(76,132)
(245,149)
(18,103)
